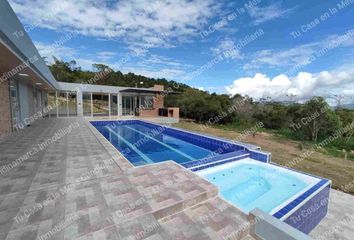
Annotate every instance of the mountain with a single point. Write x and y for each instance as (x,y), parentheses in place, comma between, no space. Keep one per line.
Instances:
(348,106)
(70,72)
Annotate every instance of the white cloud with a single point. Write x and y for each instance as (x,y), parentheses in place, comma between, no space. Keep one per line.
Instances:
(168,73)
(300,55)
(268,13)
(67,53)
(228,49)
(304,85)
(152,65)
(140,23)
(285,57)
(200,88)
(259,86)
(49,50)
(106,55)
(163,60)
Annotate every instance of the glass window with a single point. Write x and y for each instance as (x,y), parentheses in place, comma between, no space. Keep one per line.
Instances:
(45,103)
(62,104)
(72,104)
(86,104)
(114,105)
(100,104)
(52,104)
(127,105)
(146,102)
(15,108)
(40,101)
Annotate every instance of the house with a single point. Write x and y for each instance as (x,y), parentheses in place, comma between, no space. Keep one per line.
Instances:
(29,91)
(63,178)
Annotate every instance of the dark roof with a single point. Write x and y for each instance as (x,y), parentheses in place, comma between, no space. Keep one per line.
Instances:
(144,90)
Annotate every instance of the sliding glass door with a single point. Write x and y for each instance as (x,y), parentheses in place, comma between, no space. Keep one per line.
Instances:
(15,103)
(114,104)
(100,105)
(127,105)
(86,104)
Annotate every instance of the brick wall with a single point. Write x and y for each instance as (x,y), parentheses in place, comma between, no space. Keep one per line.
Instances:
(148,113)
(5,111)
(158,87)
(173,112)
(158,103)
(158,99)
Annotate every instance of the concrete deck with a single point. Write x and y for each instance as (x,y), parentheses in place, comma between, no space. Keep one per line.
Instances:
(60,180)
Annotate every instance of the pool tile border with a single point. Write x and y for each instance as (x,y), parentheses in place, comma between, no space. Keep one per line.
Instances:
(255,152)
(301,200)
(202,167)
(307,216)
(200,140)
(216,158)
(288,211)
(247,146)
(308,200)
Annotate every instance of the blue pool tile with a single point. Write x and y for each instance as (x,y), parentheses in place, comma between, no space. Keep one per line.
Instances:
(319,202)
(278,215)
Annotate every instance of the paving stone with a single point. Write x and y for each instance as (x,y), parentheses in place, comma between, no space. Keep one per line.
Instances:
(81,187)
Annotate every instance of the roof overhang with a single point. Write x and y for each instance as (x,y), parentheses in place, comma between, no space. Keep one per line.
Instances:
(12,66)
(18,54)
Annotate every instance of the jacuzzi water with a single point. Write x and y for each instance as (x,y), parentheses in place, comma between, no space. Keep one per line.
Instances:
(249,184)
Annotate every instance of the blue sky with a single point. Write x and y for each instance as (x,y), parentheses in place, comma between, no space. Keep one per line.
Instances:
(298,48)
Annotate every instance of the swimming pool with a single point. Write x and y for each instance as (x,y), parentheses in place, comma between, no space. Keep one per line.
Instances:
(244,174)
(249,184)
(145,143)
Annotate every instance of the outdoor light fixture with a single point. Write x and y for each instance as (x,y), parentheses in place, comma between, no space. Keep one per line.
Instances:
(23,74)
(141,83)
(38,84)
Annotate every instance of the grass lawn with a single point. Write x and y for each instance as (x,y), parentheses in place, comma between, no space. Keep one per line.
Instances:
(340,171)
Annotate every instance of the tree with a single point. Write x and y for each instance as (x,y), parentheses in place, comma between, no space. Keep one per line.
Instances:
(98,67)
(346,117)
(318,119)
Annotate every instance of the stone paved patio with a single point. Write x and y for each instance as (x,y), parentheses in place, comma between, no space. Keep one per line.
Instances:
(77,186)
(71,187)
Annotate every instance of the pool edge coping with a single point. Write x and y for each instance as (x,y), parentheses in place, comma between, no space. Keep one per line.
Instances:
(105,143)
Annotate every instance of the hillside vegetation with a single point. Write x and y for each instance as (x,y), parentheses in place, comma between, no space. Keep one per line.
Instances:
(313,122)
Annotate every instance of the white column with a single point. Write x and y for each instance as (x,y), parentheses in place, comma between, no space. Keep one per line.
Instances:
(91,105)
(79,103)
(56,102)
(67,104)
(119,103)
(109,105)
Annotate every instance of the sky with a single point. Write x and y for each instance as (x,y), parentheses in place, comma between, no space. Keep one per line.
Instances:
(283,50)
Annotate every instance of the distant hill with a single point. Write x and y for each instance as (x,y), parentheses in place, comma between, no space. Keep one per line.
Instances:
(348,106)
(70,72)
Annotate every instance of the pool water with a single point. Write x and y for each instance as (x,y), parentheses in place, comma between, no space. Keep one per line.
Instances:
(249,184)
(143,144)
